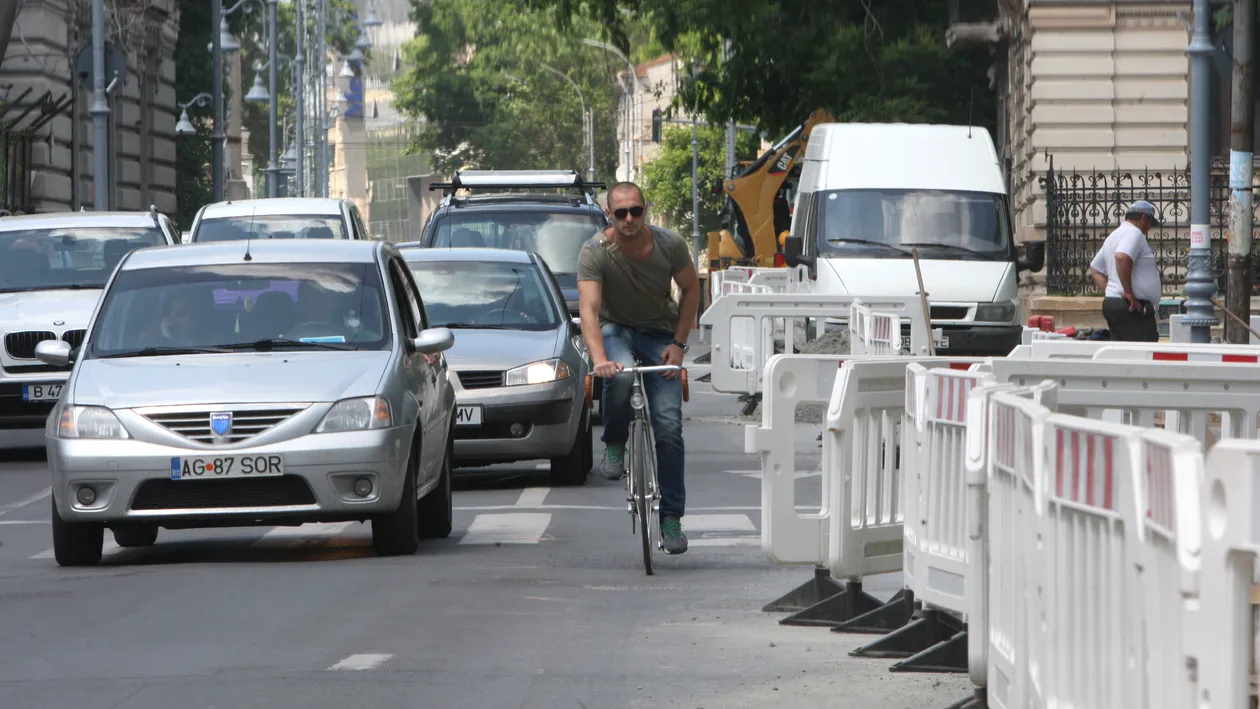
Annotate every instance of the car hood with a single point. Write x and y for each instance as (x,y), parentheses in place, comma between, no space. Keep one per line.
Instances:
(952,281)
(500,349)
(41,309)
(254,377)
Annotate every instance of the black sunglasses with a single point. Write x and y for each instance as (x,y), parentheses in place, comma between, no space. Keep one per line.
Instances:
(636,212)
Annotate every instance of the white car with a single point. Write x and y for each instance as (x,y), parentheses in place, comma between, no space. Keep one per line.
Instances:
(278,218)
(53,268)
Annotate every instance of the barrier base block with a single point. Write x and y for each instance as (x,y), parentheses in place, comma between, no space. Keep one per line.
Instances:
(979,700)
(892,615)
(810,593)
(750,402)
(837,608)
(705,358)
(929,643)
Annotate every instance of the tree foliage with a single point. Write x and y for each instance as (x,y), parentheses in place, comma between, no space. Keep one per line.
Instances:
(667,179)
(477,75)
(192,76)
(862,60)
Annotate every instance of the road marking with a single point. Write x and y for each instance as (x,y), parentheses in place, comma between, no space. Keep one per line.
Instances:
(756,474)
(726,542)
(718,523)
(519,528)
(25,521)
(309,532)
(533,497)
(10,506)
(109,547)
(518,507)
(365,661)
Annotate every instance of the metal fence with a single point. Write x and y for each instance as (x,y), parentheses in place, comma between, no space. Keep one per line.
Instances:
(1082,208)
(388,167)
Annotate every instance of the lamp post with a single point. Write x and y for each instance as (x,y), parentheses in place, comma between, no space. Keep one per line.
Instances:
(588,120)
(1200,282)
(100,110)
(634,94)
(259,94)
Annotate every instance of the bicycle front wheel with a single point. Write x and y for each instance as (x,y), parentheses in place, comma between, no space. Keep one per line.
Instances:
(642,493)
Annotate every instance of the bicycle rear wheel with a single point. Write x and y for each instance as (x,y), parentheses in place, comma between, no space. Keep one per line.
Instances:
(642,494)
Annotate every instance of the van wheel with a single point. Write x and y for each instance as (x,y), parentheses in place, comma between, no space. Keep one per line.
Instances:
(572,467)
(436,510)
(135,535)
(76,543)
(397,533)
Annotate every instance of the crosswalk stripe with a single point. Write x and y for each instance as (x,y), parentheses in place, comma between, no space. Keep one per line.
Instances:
(364,661)
(533,496)
(511,528)
(309,532)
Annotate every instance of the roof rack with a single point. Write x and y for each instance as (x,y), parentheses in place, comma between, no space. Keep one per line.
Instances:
(516,179)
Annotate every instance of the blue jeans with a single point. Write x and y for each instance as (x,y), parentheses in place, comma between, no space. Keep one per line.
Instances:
(664,396)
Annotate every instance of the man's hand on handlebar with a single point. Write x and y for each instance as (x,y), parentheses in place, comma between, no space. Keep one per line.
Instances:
(606,369)
(673,357)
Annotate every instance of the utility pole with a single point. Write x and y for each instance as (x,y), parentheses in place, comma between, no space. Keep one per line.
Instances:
(216,97)
(590,131)
(273,110)
(1242,131)
(100,106)
(730,125)
(298,87)
(1200,281)
(321,110)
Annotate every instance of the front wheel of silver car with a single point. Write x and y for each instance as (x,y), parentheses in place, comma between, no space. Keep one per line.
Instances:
(398,533)
(136,535)
(76,543)
(572,467)
(436,510)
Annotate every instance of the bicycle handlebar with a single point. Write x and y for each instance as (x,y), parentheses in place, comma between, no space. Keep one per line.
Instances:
(646,370)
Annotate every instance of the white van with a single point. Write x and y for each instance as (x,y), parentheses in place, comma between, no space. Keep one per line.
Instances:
(869,193)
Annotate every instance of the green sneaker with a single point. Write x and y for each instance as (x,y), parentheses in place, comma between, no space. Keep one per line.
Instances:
(614,465)
(672,538)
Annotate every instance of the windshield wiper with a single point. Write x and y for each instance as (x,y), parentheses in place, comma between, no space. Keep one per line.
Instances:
(163,351)
(955,247)
(67,286)
(270,343)
(868,241)
(471,326)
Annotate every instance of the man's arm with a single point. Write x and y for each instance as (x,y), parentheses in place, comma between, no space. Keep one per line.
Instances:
(1100,281)
(689,283)
(1124,272)
(590,297)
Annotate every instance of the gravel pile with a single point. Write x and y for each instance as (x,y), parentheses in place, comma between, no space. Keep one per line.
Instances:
(832,343)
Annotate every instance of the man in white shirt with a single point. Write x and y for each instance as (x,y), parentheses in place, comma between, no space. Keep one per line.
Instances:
(1126,271)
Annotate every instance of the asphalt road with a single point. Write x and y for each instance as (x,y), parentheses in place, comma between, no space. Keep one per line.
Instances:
(538,599)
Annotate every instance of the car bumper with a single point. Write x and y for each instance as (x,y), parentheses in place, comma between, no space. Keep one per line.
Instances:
(544,417)
(132,480)
(979,340)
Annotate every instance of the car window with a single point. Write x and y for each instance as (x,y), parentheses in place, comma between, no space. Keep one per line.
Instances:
(358,222)
(44,259)
(407,304)
(271,226)
(235,304)
(481,294)
(557,237)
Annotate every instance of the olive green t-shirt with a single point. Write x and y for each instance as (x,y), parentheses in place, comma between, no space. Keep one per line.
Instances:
(636,292)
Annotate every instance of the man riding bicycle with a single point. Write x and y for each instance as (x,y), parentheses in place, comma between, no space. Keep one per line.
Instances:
(625,295)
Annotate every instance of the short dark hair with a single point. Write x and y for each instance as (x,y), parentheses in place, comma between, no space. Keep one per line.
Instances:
(625,185)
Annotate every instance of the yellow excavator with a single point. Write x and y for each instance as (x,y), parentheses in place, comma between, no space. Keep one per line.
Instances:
(758,214)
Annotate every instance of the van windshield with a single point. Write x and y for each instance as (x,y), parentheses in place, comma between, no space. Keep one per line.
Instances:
(941,224)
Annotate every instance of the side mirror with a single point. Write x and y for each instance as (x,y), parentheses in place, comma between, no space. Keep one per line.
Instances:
(1034,257)
(434,340)
(793,248)
(55,353)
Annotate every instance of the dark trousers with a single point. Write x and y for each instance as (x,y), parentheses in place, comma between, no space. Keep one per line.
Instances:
(1130,325)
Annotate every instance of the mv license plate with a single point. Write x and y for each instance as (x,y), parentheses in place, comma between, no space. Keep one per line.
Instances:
(941,342)
(41,392)
(218,467)
(468,416)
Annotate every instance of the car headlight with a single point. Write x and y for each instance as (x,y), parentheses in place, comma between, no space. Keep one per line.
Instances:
(552,370)
(995,312)
(362,414)
(92,422)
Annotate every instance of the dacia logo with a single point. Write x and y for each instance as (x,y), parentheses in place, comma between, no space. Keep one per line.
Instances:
(221,423)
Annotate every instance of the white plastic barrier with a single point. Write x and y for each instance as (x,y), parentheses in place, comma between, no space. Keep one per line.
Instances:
(863,395)
(743,374)
(873,332)
(1032,334)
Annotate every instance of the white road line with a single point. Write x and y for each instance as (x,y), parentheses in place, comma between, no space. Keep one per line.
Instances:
(310,532)
(25,521)
(533,497)
(8,507)
(717,523)
(519,528)
(365,661)
(518,507)
(109,547)
(727,542)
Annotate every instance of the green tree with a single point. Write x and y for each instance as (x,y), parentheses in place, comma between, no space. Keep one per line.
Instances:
(192,76)
(667,179)
(861,60)
(476,74)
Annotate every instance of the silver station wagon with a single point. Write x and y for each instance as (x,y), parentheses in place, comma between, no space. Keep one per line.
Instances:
(257,382)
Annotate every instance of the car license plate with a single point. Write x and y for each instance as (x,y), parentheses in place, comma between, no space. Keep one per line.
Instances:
(468,416)
(217,467)
(942,342)
(41,392)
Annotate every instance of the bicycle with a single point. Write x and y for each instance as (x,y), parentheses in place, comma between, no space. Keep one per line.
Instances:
(643,495)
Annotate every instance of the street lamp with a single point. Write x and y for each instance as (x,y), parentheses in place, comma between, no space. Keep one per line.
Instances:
(258,92)
(372,19)
(184,126)
(223,41)
(588,119)
(634,94)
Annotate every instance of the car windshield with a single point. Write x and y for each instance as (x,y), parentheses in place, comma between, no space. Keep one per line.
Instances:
(274,306)
(557,237)
(481,294)
(966,224)
(73,257)
(271,226)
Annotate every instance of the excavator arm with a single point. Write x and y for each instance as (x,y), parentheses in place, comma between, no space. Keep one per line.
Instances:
(754,203)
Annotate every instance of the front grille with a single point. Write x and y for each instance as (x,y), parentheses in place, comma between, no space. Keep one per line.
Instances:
(949,312)
(21,345)
(195,425)
(74,338)
(206,494)
(481,380)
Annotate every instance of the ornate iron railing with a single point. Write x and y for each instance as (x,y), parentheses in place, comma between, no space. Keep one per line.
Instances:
(1082,208)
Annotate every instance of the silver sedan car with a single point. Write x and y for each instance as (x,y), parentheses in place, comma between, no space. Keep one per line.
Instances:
(519,363)
(253,383)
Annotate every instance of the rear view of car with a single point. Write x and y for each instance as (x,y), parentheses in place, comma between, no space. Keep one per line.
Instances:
(278,218)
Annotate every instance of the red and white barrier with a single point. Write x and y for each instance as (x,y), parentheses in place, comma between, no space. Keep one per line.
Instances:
(873,332)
